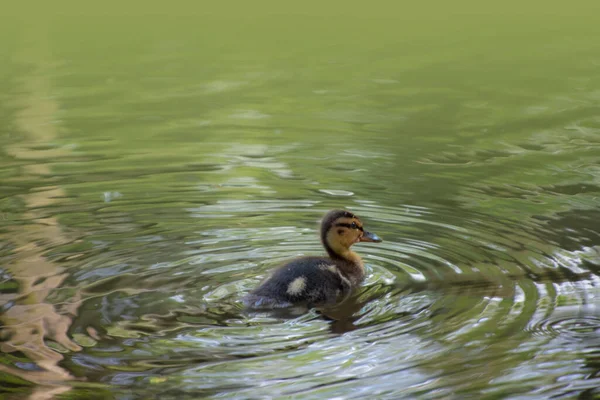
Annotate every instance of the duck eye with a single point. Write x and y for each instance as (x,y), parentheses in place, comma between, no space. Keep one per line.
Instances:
(354,226)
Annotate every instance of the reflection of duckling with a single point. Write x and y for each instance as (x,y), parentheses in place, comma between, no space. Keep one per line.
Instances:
(318,280)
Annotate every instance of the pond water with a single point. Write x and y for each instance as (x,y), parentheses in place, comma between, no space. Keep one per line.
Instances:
(156,164)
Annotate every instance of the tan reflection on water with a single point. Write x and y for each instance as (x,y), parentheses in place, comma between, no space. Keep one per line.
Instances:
(32,321)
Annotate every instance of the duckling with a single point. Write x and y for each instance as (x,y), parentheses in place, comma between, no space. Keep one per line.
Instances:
(318,280)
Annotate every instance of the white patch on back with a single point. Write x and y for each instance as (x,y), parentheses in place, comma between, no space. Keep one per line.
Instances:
(296,286)
(330,268)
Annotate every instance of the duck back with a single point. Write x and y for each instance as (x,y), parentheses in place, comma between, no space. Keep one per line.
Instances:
(309,280)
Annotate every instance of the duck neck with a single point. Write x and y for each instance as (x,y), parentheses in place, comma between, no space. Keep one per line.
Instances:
(350,266)
(340,253)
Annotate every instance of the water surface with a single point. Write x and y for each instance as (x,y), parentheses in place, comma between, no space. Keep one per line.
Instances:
(157,163)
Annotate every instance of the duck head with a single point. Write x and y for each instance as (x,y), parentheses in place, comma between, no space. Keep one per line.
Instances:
(340,229)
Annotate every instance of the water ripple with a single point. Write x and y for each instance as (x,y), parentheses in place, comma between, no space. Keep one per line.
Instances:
(423,299)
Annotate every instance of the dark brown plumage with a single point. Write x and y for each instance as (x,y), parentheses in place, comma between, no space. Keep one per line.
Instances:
(318,280)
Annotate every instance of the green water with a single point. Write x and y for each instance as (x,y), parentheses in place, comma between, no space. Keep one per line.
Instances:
(157,162)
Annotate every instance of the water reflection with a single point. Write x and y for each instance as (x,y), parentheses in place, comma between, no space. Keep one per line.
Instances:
(34,330)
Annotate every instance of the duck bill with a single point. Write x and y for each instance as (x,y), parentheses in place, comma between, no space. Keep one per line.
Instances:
(370,237)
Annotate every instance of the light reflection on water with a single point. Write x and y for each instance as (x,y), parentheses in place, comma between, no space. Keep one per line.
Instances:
(138,209)
(423,310)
